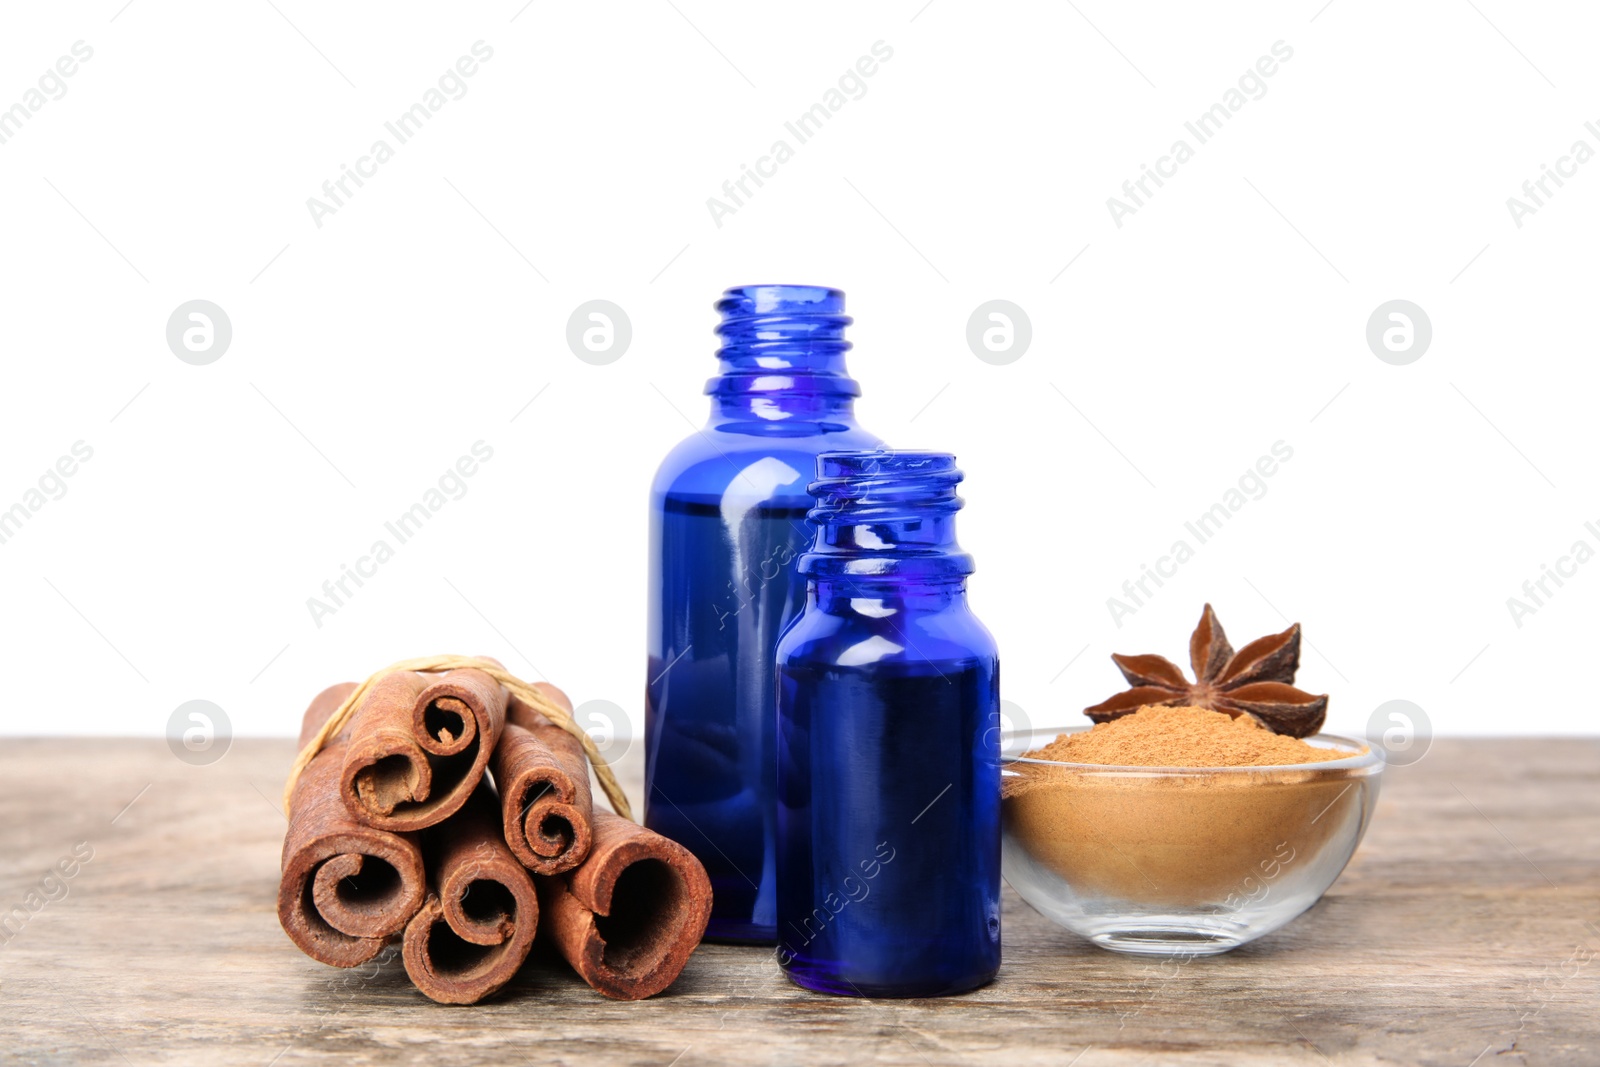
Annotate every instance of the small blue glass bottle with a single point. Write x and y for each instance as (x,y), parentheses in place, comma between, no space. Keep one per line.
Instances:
(727,521)
(888,752)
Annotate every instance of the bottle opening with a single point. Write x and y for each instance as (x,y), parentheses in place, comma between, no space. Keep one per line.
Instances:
(887,467)
(748,300)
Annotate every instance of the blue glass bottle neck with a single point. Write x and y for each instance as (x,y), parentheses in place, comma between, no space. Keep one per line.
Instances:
(877,597)
(887,516)
(920,552)
(783,383)
(779,403)
(782,356)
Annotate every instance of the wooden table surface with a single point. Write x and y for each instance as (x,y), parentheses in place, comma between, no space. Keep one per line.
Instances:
(1465,932)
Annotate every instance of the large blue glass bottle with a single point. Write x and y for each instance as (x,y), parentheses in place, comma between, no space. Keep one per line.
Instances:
(888,746)
(727,521)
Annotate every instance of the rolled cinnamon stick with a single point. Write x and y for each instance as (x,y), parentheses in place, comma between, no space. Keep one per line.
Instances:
(479,920)
(346,888)
(419,744)
(543,777)
(628,917)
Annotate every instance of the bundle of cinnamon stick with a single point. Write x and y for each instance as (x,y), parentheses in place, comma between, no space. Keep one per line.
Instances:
(451,815)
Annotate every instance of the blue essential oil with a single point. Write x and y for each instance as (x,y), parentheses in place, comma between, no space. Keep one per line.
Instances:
(728,520)
(888,743)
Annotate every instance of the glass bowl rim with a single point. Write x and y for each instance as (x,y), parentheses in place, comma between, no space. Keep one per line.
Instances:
(1371,759)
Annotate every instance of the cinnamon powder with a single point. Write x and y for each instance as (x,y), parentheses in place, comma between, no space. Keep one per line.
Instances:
(1156,736)
(1176,839)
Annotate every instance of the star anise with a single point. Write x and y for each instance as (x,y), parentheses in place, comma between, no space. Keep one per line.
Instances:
(1253,681)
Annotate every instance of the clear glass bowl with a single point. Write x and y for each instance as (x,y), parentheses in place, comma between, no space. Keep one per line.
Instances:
(1180,861)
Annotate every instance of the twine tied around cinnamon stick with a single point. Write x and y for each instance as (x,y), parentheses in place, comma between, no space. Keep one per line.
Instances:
(524,692)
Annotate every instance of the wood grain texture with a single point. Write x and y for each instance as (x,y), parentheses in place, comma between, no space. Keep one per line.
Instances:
(1466,931)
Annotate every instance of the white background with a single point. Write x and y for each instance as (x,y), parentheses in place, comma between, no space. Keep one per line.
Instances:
(368,354)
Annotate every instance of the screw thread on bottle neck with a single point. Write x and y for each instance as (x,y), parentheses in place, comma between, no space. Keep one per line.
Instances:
(783,340)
